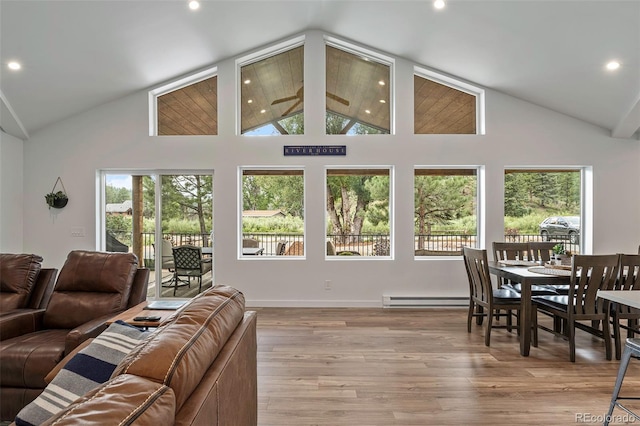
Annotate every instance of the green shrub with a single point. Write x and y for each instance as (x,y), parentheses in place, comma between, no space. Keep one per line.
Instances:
(277,224)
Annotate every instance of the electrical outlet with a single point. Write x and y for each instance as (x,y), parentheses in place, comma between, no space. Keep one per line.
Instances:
(77,232)
(327,284)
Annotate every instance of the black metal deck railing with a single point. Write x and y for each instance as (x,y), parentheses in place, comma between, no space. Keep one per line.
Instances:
(446,243)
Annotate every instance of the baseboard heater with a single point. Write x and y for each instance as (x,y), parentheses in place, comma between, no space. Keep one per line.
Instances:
(422,301)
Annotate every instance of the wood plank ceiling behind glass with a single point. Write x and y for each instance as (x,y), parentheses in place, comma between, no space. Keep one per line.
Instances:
(191,110)
(358,88)
(272,89)
(440,109)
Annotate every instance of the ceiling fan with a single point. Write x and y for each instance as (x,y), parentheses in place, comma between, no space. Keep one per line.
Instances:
(300,97)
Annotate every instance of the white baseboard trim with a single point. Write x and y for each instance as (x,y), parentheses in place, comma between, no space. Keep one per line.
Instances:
(406,301)
(313,304)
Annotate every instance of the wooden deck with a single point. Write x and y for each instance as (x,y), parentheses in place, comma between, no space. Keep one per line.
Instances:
(183,291)
(421,367)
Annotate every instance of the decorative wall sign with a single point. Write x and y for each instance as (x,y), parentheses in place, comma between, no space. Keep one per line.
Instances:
(315,150)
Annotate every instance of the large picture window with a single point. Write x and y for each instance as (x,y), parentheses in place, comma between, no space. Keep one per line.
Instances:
(272,213)
(544,205)
(358,213)
(446,210)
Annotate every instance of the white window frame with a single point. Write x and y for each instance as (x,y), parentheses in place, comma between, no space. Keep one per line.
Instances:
(391,170)
(241,169)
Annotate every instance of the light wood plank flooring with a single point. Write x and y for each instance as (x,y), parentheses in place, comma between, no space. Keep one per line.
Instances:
(421,367)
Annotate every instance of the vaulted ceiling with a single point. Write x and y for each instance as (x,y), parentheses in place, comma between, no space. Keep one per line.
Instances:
(79,54)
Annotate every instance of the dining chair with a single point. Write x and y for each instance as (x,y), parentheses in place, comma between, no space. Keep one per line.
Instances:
(541,251)
(189,263)
(631,350)
(628,279)
(517,251)
(484,300)
(589,273)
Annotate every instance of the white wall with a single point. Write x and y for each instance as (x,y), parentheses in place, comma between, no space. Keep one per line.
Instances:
(115,135)
(11,201)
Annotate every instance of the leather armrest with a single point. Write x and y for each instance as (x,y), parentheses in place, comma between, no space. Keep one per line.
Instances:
(86,331)
(22,321)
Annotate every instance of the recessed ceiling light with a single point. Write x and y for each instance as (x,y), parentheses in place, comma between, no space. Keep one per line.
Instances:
(439,4)
(613,65)
(262,111)
(247,81)
(13,65)
(194,5)
(382,101)
(381,83)
(367,111)
(250,101)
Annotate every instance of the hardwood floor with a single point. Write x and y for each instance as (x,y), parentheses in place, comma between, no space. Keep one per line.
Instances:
(421,367)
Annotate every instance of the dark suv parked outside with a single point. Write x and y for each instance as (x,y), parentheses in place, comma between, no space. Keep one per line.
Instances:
(561,227)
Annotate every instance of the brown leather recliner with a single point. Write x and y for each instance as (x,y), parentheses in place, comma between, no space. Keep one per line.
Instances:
(91,288)
(24,284)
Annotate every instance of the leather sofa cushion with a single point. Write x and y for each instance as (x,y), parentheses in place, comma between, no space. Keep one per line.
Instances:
(95,283)
(179,353)
(27,359)
(18,274)
(124,400)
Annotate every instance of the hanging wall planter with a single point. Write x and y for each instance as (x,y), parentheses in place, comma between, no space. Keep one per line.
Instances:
(57,199)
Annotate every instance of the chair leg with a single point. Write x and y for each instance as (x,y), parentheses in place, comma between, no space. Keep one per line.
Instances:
(606,334)
(480,317)
(616,334)
(487,334)
(509,320)
(571,325)
(534,326)
(470,315)
(624,363)
(175,283)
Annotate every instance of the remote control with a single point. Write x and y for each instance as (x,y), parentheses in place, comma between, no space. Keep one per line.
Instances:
(151,318)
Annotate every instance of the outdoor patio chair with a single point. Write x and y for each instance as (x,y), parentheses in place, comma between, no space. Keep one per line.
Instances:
(189,264)
(281,248)
(250,242)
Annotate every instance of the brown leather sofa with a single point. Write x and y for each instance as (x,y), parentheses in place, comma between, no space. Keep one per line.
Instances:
(198,368)
(24,284)
(91,288)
